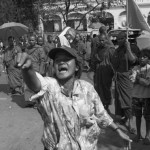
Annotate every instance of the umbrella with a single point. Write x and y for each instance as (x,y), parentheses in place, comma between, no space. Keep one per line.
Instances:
(143,41)
(12,29)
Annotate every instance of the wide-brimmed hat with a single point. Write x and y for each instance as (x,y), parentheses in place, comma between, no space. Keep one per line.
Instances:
(69,50)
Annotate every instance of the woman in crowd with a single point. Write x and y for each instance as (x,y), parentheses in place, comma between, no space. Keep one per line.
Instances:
(71,109)
(14,73)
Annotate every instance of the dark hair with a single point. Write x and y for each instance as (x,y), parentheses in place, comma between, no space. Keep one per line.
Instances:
(146,52)
(11,37)
(102,30)
(32,35)
(49,36)
(94,35)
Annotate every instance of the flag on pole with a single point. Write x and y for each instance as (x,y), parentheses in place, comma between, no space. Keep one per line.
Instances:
(135,18)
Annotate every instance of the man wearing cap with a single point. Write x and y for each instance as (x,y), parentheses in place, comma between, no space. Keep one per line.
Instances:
(70,107)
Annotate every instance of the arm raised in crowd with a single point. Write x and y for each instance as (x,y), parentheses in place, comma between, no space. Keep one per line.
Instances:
(24,61)
(130,54)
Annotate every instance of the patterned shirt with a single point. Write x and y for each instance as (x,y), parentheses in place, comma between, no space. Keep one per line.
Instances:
(70,122)
(142,87)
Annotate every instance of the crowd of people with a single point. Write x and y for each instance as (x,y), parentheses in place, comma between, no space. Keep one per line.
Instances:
(73,110)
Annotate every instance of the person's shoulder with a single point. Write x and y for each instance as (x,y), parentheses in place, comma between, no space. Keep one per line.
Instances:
(50,79)
(85,84)
(148,66)
(51,82)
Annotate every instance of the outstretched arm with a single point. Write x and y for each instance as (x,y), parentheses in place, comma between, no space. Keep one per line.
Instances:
(130,55)
(25,63)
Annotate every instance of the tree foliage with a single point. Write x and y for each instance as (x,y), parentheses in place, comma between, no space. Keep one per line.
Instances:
(7,11)
(65,7)
(19,11)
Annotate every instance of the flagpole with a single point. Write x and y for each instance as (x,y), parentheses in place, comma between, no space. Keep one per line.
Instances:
(127,19)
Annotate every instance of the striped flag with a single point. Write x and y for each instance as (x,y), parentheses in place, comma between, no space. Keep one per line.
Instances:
(135,18)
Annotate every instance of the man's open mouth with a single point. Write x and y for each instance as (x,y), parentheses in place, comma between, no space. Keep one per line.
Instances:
(63,69)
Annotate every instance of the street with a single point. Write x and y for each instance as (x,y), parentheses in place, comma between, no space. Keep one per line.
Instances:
(21,128)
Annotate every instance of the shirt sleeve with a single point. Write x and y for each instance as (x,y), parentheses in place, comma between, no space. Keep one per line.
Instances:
(44,87)
(103,119)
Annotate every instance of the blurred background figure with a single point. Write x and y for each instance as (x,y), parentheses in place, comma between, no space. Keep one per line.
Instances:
(1,57)
(49,62)
(40,41)
(57,42)
(14,74)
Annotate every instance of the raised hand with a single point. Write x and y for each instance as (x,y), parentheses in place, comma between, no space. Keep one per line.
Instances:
(24,61)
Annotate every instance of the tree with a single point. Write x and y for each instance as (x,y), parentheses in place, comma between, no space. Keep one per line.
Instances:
(7,11)
(26,13)
(66,7)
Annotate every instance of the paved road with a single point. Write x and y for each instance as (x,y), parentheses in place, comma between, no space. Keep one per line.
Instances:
(21,128)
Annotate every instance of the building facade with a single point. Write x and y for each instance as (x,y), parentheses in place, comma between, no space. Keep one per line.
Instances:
(114,17)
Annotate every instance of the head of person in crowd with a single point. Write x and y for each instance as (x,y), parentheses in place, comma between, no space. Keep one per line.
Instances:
(67,63)
(50,39)
(1,44)
(121,38)
(88,38)
(11,41)
(32,39)
(78,37)
(94,35)
(57,41)
(40,40)
(104,41)
(68,37)
(72,33)
(145,56)
(103,30)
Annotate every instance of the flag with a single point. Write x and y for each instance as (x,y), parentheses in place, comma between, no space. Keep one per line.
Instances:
(135,18)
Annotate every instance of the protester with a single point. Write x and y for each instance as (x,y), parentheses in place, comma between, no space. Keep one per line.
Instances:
(49,62)
(104,72)
(37,53)
(94,46)
(122,62)
(71,109)
(49,44)
(141,95)
(57,42)
(14,73)
(40,41)
(87,52)
(1,59)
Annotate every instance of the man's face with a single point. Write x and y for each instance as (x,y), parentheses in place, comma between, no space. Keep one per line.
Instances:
(32,40)
(77,37)
(40,41)
(102,40)
(49,39)
(69,38)
(121,39)
(64,65)
(11,41)
(143,59)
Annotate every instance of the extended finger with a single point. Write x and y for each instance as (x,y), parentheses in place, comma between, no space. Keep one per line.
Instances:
(27,64)
(22,59)
(19,55)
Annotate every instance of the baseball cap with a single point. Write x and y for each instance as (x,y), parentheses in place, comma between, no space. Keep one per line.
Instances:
(69,50)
